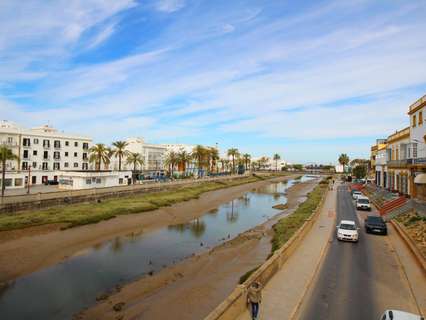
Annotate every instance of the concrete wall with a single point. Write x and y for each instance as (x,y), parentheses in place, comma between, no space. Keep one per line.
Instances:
(236,303)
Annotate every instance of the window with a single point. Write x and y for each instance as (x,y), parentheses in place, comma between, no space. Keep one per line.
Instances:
(8,182)
(46,155)
(75,154)
(75,164)
(56,166)
(120,181)
(18,182)
(34,152)
(25,154)
(66,154)
(85,145)
(57,144)
(98,180)
(414,121)
(84,156)
(9,140)
(35,165)
(26,142)
(85,166)
(24,165)
(35,141)
(420,118)
(89,181)
(67,143)
(56,155)
(415,150)
(46,143)
(45,166)
(66,164)
(76,144)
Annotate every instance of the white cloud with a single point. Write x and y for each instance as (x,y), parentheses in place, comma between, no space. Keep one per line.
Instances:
(169,5)
(102,36)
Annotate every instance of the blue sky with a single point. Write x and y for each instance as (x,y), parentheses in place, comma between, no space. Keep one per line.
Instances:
(306,79)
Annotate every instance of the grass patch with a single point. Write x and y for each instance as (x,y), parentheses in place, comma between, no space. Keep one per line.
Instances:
(86,213)
(286,227)
(247,275)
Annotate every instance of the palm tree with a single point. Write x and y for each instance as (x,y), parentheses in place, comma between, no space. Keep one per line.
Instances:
(183,158)
(344,159)
(214,156)
(120,151)
(171,160)
(276,158)
(135,159)
(99,154)
(246,158)
(233,152)
(5,155)
(199,153)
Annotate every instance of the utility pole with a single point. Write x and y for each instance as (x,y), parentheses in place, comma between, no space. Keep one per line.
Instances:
(29,179)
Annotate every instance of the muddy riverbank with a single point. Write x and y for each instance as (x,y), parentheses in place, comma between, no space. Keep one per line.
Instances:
(32,249)
(192,288)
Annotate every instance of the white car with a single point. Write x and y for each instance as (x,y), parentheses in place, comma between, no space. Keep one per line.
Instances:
(399,315)
(363,203)
(356,194)
(347,231)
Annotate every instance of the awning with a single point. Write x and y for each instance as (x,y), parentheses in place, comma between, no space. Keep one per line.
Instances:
(420,179)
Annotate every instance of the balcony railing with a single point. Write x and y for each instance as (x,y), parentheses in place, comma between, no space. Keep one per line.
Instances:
(399,163)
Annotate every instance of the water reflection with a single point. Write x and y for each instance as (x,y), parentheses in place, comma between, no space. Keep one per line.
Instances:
(60,291)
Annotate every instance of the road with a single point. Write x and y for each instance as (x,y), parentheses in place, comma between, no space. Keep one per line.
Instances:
(357,280)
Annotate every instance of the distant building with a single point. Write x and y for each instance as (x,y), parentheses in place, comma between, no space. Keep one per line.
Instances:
(76,180)
(397,154)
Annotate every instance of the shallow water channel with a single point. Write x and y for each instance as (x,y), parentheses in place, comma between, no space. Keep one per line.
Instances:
(62,290)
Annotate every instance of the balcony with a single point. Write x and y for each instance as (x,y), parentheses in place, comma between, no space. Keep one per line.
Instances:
(399,163)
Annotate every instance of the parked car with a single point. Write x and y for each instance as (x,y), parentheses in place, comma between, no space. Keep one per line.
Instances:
(356,194)
(363,203)
(399,315)
(347,231)
(51,182)
(375,224)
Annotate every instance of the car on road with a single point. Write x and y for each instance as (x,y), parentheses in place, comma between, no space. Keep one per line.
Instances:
(356,194)
(399,315)
(363,203)
(347,231)
(375,224)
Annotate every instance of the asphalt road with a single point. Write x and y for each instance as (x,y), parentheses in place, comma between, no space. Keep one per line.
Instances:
(357,281)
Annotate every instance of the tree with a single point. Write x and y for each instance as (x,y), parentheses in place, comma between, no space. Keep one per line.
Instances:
(344,159)
(183,157)
(120,151)
(99,154)
(199,153)
(246,158)
(276,158)
(360,171)
(171,160)
(234,153)
(214,157)
(135,159)
(5,155)
(298,167)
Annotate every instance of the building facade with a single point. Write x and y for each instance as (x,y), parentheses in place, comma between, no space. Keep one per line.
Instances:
(376,170)
(381,167)
(417,163)
(42,152)
(397,155)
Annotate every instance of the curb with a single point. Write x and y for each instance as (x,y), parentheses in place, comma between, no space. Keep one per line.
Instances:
(413,248)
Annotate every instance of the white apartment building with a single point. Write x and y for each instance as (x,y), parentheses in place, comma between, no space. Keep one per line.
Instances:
(153,155)
(42,151)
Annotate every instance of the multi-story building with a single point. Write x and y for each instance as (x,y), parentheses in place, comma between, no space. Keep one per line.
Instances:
(381,165)
(397,155)
(377,169)
(190,166)
(417,163)
(153,155)
(42,151)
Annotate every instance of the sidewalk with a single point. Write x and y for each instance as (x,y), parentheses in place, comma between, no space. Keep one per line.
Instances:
(282,294)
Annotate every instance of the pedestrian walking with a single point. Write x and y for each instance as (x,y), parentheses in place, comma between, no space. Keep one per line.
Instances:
(254,298)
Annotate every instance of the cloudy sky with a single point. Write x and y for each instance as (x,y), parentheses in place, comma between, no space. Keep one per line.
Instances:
(308,80)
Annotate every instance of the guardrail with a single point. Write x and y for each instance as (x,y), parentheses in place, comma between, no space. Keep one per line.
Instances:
(236,303)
